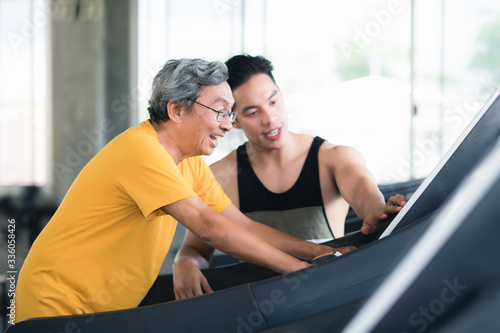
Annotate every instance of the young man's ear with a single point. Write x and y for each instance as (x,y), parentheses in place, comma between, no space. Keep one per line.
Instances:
(174,111)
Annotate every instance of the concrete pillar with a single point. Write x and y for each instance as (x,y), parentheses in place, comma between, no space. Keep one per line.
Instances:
(93,60)
(121,65)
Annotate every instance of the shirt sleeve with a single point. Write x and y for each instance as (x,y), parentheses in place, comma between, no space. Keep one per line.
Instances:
(206,186)
(150,177)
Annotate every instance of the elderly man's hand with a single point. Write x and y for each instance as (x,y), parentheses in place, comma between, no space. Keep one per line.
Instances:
(381,213)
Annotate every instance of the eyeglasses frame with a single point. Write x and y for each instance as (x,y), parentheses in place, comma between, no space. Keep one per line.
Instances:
(226,113)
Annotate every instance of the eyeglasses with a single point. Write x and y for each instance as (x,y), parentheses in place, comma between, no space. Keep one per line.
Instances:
(222,114)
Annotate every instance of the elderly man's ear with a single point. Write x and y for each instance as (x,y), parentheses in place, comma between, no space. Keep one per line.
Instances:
(174,111)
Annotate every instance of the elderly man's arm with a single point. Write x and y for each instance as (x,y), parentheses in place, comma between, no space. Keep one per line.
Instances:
(231,238)
(195,254)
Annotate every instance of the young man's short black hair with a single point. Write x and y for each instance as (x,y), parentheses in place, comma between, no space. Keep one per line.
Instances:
(243,67)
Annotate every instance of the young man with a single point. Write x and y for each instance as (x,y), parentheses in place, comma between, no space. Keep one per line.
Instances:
(103,248)
(295,183)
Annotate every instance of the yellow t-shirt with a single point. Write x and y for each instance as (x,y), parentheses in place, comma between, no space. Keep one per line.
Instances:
(103,248)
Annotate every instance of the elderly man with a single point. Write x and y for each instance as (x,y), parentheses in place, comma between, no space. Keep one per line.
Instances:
(299,184)
(103,248)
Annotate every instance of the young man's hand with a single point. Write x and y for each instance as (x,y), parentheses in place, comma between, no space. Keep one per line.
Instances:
(189,281)
(381,213)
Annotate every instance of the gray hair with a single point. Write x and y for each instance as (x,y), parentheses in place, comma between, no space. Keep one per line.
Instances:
(181,80)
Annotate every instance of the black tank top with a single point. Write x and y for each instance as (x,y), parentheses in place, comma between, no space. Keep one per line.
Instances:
(299,211)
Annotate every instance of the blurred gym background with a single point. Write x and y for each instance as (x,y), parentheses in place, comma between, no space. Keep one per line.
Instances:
(398,80)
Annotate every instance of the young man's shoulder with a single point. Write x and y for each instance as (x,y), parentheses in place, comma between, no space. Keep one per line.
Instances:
(225,166)
(227,160)
(328,149)
(336,155)
(225,172)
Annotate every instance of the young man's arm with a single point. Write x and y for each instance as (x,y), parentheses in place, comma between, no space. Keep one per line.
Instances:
(193,256)
(359,188)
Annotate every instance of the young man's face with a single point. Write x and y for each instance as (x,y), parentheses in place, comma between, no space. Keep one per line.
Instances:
(261,112)
(202,130)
